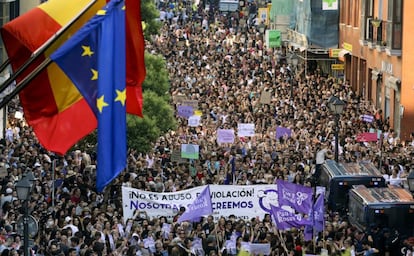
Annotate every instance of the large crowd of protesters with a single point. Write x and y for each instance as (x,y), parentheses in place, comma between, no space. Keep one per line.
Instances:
(222,62)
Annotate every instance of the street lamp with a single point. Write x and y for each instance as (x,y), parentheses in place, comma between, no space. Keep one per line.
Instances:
(336,106)
(23,189)
(29,176)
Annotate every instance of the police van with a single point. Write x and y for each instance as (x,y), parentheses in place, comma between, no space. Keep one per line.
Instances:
(338,179)
(387,207)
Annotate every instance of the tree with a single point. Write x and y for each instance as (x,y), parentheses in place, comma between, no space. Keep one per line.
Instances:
(149,15)
(158,119)
(142,132)
(157,76)
(156,108)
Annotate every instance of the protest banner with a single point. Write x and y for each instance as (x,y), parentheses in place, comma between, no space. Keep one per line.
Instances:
(245,130)
(282,131)
(299,197)
(185,111)
(367,118)
(179,98)
(192,103)
(286,220)
(199,208)
(225,136)
(265,97)
(189,151)
(245,202)
(260,249)
(367,137)
(231,247)
(176,157)
(194,121)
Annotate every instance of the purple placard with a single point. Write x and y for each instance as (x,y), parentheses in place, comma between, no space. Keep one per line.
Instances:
(367,118)
(225,136)
(282,131)
(185,111)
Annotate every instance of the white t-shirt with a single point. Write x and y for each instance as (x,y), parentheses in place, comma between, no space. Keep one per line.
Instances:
(320,156)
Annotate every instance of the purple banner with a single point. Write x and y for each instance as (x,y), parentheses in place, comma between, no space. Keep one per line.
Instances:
(225,136)
(319,213)
(367,118)
(282,131)
(308,233)
(185,111)
(297,196)
(285,219)
(200,207)
(318,218)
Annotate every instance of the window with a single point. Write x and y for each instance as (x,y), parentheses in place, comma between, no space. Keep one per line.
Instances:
(342,12)
(356,210)
(367,15)
(379,33)
(394,24)
(369,30)
(345,14)
(355,14)
(14,9)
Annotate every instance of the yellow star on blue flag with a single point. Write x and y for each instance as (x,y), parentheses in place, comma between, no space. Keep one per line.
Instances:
(94,59)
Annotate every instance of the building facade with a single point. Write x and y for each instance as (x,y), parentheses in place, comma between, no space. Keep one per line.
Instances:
(375,40)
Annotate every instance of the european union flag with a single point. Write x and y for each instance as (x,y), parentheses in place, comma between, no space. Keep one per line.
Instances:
(94,59)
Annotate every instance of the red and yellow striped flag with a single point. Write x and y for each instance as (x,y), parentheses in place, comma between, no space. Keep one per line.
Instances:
(52,105)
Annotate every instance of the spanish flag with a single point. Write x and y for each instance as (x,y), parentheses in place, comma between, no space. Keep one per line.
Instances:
(52,105)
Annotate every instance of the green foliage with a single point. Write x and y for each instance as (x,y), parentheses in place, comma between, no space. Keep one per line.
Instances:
(158,119)
(142,132)
(87,144)
(157,76)
(149,15)
(156,108)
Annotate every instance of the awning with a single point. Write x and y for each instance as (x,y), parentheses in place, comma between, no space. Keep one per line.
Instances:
(343,52)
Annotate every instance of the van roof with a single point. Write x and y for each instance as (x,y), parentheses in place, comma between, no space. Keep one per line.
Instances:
(363,168)
(383,195)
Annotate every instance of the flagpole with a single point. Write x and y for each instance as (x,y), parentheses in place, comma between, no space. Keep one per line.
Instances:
(22,84)
(4,65)
(217,241)
(39,51)
(283,242)
(279,234)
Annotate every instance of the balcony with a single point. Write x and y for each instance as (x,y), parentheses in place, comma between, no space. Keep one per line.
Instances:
(374,34)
